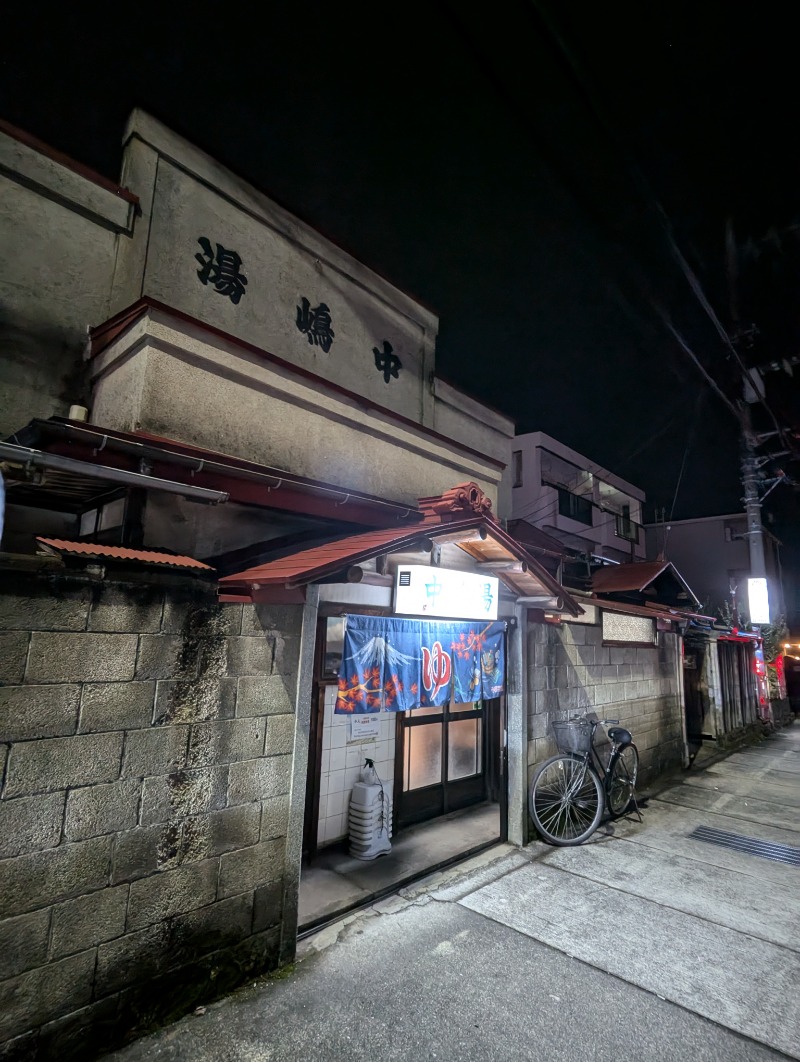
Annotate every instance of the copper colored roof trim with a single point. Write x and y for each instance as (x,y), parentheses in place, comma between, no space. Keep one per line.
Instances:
(243,480)
(632,610)
(621,578)
(637,576)
(146,556)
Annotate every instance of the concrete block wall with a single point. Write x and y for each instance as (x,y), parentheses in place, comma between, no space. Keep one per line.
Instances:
(146,745)
(570,671)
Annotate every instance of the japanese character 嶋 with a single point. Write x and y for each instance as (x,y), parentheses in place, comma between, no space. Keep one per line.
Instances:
(315,322)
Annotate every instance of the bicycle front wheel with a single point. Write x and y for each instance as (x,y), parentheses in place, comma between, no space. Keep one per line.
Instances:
(565,800)
(622,780)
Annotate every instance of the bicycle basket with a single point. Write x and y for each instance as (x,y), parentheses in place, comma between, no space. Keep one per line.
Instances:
(573,736)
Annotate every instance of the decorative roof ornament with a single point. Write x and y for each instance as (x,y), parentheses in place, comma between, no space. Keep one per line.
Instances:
(465,498)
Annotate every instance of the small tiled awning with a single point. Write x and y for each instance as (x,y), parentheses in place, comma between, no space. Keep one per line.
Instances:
(637,577)
(92,550)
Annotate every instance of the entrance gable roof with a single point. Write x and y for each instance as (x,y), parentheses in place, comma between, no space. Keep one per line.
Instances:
(477,535)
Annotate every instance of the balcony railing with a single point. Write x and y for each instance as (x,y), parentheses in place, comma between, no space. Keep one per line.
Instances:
(574,506)
(584,510)
(626,528)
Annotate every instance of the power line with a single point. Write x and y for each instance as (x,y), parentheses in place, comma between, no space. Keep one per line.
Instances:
(689,441)
(513,102)
(650,200)
(709,378)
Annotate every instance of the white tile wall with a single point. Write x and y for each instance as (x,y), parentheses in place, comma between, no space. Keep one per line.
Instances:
(338,759)
(342,761)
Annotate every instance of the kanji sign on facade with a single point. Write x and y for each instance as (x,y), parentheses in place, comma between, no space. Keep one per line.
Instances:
(221,269)
(315,323)
(423,590)
(387,362)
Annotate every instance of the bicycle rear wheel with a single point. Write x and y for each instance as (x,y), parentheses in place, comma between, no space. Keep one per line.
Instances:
(565,800)
(622,780)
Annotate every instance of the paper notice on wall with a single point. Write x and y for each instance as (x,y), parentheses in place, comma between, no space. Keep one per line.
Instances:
(364,726)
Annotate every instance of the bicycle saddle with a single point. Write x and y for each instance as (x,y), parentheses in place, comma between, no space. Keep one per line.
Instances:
(619,735)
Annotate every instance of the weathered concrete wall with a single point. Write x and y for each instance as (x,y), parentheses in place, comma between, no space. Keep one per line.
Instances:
(78,250)
(186,195)
(58,233)
(146,745)
(171,377)
(570,671)
(458,416)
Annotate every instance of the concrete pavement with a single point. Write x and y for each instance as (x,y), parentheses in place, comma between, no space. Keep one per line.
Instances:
(644,943)
(715,930)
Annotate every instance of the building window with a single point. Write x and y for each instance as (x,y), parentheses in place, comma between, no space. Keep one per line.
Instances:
(334,643)
(628,630)
(574,506)
(107,518)
(624,526)
(516,467)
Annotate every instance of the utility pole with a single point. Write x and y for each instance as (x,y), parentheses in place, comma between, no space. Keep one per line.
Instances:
(758,593)
(752,497)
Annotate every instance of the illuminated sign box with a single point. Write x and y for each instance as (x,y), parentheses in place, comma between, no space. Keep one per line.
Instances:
(421,590)
(758,600)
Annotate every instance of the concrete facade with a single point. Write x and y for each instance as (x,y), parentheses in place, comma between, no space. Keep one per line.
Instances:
(51,217)
(185,195)
(147,757)
(153,743)
(176,379)
(545,474)
(168,376)
(200,386)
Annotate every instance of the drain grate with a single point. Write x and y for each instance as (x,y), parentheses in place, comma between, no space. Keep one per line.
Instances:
(780,853)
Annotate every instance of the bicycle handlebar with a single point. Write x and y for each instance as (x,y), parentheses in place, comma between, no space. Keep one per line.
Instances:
(597,722)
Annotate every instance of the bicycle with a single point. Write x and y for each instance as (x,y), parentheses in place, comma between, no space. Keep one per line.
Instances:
(569,792)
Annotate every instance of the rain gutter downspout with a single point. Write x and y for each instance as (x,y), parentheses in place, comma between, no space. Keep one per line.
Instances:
(517,726)
(273,480)
(686,758)
(297,792)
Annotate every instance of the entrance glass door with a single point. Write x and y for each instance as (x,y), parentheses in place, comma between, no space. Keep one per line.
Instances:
(442,760)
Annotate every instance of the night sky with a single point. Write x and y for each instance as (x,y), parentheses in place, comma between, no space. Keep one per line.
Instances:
(530,174)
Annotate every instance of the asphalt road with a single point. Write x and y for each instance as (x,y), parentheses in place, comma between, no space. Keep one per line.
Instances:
(439,981)
(644,944)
